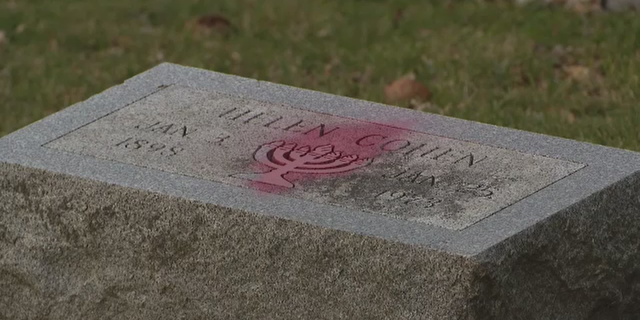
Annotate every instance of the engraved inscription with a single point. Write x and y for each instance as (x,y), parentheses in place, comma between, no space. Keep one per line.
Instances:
(406,198)
(412,176)
(382,168)
(166,128)
(421,150)
(285,158)
(144,145)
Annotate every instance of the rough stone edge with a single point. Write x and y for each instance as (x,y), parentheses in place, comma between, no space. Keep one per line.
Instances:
(392,280)
(583,263)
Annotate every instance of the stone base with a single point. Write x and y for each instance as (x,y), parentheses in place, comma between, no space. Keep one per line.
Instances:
(79,249)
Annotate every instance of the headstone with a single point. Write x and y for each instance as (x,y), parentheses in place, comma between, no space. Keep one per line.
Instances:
(185,193)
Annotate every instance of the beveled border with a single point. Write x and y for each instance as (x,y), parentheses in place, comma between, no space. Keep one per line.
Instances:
(604,165)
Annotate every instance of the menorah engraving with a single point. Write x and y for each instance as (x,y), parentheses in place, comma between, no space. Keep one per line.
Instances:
(286,158)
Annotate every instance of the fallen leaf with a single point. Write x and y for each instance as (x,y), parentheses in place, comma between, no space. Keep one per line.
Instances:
(3,37)
(208,23)
(214,21)
(406,88)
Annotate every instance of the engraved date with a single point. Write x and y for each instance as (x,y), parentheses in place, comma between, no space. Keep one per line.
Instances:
(479,190)
(407,198)
(148,146)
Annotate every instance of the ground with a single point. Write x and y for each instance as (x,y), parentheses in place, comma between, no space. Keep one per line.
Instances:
(538,68)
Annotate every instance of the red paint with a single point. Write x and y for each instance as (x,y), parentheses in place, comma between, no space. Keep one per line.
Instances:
(295,157)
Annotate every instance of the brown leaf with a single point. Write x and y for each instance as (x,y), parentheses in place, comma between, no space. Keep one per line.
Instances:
(406,88)
(209,23)
(213,21)
(3,37)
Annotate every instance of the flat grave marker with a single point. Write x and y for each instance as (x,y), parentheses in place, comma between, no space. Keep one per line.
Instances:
(266,201)
(317,157)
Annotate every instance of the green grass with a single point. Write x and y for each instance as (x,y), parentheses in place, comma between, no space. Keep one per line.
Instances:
(490,62)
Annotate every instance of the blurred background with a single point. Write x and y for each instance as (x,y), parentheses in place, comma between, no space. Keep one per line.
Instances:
(564,68)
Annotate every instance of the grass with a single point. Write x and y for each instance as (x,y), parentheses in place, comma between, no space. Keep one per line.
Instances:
(489,62)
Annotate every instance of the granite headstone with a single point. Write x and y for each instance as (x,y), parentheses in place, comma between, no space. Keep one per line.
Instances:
(189,194)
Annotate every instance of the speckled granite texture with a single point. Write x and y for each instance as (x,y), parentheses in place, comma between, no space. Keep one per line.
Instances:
(85,237)
(75,249)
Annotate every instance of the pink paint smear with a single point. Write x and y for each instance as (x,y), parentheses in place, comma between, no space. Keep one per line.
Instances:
(282,164)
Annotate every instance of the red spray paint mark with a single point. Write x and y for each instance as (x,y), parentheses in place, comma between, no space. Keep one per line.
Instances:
(327,150)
